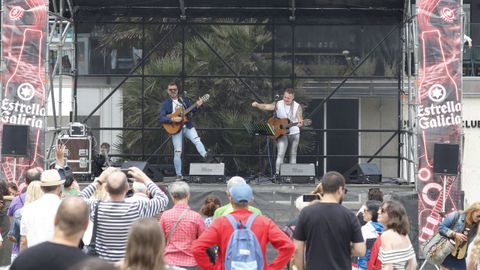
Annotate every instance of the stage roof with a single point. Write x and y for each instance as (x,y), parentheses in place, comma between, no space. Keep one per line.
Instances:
(230,8)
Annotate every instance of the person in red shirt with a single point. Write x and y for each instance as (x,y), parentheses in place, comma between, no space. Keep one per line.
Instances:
(181,226)
(220,231)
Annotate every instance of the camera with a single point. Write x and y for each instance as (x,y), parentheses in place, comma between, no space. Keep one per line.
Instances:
(310,197)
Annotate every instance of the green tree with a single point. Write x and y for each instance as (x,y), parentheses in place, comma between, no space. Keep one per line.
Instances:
(242,47)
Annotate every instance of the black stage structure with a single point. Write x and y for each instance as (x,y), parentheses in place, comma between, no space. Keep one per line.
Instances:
(336,54)
(351,62)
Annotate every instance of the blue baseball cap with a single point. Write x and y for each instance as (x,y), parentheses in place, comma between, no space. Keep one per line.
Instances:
(241,192)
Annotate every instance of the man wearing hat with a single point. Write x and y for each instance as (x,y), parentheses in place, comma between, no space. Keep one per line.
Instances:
(220,231)
(37,223)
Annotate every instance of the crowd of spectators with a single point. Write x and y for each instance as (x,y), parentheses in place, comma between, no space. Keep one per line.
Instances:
(54,227)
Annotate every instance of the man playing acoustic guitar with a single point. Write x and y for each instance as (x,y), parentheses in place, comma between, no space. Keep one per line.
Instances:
(185,126)
(291,110)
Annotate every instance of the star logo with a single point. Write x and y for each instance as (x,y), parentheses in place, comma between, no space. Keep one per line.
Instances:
(437,93)
(25,91)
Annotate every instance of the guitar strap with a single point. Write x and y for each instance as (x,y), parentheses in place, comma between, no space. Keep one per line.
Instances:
(182,102)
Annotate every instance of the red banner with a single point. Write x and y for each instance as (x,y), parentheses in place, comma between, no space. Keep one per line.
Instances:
(24,33)
(439,115)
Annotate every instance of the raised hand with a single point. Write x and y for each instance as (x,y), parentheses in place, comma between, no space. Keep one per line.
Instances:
(60,155)
(138,175)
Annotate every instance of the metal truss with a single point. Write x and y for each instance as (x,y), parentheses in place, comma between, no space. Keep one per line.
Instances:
(60,44)
(60,25)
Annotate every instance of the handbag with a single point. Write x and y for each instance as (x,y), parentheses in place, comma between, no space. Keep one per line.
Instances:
(437,248)
(90,249)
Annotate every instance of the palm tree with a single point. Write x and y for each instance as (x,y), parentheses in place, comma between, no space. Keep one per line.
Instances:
(241,47)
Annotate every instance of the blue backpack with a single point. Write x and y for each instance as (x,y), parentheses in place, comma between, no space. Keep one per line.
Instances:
(243,251)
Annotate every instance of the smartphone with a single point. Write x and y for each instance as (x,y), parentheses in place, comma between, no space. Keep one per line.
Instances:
(125,171)
(310,197)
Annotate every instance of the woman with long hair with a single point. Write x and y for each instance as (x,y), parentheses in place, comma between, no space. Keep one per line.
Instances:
(473,254)
(396,251)
(34,192)
(461,227)
(145,247)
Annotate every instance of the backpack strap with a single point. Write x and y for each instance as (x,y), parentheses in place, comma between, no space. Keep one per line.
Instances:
(250,220)
(232,221)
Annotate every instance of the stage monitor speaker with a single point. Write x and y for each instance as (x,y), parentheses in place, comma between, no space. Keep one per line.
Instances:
(207,172)
(297,173)
(142,165)
(363,173)
(14,140)
(445,158)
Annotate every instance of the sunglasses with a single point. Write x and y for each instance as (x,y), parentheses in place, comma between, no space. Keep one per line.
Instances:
(172,89)
(345,190)
(477,216)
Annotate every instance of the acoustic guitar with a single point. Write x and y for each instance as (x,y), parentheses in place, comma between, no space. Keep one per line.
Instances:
(281,126)
(173,128)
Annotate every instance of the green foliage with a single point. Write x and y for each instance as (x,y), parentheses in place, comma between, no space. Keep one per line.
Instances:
(230,103)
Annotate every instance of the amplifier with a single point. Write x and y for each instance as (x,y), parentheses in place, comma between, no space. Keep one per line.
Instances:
(78,153)
(297,173)
(207,172)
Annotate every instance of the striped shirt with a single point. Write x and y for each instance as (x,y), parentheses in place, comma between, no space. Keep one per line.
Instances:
(397,257)
(115,219)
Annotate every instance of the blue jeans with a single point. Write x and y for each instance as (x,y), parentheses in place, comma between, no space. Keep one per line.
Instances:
(282,144)
(177,139)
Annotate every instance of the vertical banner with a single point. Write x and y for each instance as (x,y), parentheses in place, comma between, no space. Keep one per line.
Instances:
(24,33)
(439,118)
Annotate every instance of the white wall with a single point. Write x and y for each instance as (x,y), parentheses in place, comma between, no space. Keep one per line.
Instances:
(379,113)
(471,150)
(91,91)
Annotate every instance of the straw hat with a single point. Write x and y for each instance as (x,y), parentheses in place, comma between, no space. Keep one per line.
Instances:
(51,178)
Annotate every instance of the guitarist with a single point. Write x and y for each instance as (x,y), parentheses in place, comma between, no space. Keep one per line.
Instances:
(285,108)
(173,102)
(461,227)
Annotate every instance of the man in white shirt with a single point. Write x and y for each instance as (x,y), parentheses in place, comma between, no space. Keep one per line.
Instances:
(289,109)
(37,223)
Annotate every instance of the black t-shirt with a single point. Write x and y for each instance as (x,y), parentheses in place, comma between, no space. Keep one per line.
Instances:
(48,255)
(328,230)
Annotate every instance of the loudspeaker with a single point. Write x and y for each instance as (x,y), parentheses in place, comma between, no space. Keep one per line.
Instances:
(445,158)
(207,172)
(14,140)
(297,173)
(363,173)
(142,165)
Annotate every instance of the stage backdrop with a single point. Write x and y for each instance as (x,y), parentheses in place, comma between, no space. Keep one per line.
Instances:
(439,118)
(24,34)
